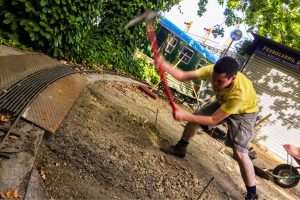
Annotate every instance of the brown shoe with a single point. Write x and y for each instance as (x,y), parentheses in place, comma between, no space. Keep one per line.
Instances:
(174,150)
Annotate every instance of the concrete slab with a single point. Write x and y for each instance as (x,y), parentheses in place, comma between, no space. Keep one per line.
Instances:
(8,51)
(15,171)
(35,189)
(16,67)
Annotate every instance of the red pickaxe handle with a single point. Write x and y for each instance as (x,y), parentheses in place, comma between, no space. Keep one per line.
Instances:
(154,48)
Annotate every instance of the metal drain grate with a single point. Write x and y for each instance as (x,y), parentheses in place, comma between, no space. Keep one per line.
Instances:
(18,96)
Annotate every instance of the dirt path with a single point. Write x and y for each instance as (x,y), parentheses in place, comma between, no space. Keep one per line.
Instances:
(108,148)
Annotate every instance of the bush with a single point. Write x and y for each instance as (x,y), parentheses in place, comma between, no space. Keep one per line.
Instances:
(57,27)
(146,71)
(111,53)
(89,31)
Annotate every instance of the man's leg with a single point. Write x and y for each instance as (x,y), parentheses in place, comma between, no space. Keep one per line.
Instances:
(247,172)
(189,131)
(240,134)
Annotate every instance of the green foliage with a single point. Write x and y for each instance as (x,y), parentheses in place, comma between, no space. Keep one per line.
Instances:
(111,44)
(218,30)
(243,47)
(89,31)
(202,7)
(146,72)
(221,2)
(276,19)
(57,27)
(235,4)
(12,43)
(231,18)
(114,55)
(116,14)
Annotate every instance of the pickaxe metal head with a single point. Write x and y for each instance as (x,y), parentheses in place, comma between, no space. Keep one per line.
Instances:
(145,17)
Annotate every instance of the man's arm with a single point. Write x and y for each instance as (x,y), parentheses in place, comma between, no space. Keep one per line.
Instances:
(212,120)
(177,73)
(225,110)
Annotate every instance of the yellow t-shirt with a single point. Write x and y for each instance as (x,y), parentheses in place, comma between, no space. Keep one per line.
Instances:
(239,98)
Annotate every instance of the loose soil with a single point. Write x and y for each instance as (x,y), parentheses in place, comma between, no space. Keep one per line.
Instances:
(108,148)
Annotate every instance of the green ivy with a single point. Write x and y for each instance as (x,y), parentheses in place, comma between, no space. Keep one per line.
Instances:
(57,27)
(88,31)
(106,51)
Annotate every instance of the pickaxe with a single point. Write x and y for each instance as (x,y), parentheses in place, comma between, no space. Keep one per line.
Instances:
(149,17)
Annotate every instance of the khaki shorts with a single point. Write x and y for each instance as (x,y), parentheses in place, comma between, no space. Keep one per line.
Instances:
(240,127)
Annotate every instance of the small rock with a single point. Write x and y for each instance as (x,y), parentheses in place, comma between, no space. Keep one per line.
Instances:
(43,175)
(196,181)
(13,137)
(160,189)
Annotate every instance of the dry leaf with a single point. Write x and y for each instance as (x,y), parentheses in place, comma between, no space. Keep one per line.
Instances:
(9,194)
(4,118)
(15,194)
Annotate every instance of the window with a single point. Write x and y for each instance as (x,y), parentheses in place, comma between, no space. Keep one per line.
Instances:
(186,55)
(202,62)
(171,44)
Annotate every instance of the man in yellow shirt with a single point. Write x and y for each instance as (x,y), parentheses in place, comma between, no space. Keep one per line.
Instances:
(235,103)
